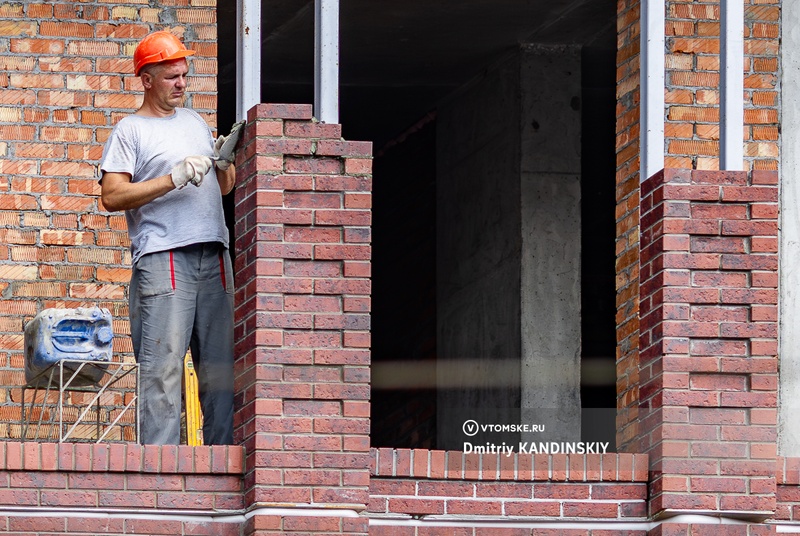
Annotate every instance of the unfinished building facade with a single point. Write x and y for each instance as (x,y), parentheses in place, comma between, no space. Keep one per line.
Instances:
(544,292)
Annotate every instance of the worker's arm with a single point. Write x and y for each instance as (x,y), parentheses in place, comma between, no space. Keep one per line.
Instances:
(119,193)
(226,178)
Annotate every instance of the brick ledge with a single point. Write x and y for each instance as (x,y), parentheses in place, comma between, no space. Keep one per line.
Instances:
(456,465)
(120,457)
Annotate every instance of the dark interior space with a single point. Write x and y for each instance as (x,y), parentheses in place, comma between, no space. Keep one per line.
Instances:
(598,229)
(404,295)
(397,61)
(226,93)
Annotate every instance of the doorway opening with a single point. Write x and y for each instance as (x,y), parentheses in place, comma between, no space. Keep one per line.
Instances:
(403,81)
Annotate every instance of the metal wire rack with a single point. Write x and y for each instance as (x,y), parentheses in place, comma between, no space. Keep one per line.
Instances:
(69,405)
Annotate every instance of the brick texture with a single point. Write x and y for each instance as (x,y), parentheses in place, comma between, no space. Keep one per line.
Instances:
(627,221)
(529,488)
(66,80)
(692,80)
(456,465)
(498,530)
(303,243)
(691,118)
(698,529)
(788,492)
(708,339)
(114,478)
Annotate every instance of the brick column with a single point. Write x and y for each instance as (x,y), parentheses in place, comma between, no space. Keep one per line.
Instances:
(708,341)
(627,221)
(302,322)
(691,129)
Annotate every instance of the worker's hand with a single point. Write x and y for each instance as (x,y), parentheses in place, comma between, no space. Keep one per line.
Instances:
(221,163)
(192,169)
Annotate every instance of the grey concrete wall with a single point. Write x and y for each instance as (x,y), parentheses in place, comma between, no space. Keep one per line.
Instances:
(551,241)
(789,284)
(508,251)
(478,256)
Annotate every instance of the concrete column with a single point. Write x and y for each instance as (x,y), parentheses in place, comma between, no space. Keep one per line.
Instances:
(508,250)
(551,241)
(789,424)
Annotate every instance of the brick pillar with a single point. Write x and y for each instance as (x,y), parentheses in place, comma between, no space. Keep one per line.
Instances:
(691,129)
(627,222)
(302,322)
(708,341)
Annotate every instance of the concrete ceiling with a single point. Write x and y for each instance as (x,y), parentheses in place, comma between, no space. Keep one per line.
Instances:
(412,52)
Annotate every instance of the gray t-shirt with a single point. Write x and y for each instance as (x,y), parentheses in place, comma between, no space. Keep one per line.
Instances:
(149,147)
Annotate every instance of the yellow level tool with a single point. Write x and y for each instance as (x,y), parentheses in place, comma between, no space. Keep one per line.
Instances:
(194,417)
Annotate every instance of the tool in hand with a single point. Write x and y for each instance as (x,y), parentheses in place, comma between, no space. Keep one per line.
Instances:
(226,150)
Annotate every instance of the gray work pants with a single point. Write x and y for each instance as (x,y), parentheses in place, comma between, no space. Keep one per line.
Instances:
(179,299)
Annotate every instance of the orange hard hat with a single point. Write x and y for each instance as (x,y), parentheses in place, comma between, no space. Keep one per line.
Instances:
(157,47)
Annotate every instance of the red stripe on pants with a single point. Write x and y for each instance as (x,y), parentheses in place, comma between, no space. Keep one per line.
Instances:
(172,269)
(222,270)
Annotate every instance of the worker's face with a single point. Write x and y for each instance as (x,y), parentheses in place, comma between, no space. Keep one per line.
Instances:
(166,83)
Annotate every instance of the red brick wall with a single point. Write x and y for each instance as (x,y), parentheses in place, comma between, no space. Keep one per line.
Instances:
(708,339)
(302,326)
(692,79)
(691,118)
(788,493)
(627,221)
(303,233)
(540,488)
(97,489)
(66,79)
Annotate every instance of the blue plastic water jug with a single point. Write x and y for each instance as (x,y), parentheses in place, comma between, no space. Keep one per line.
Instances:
(84,334)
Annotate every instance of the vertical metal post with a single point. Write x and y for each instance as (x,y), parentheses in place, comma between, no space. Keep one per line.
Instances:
(248,56)
(326,61)
(789,235)
(651,107)
(731,128)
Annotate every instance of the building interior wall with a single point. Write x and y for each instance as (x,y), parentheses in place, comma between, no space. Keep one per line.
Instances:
(401,320)
(478,256)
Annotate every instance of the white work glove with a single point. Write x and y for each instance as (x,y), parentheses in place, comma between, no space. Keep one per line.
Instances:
(220,163)
(192,169)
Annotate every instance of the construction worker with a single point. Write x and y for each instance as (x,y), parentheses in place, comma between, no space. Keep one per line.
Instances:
(157,166)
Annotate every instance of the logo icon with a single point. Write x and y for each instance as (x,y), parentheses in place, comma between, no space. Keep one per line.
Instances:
(470,428)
